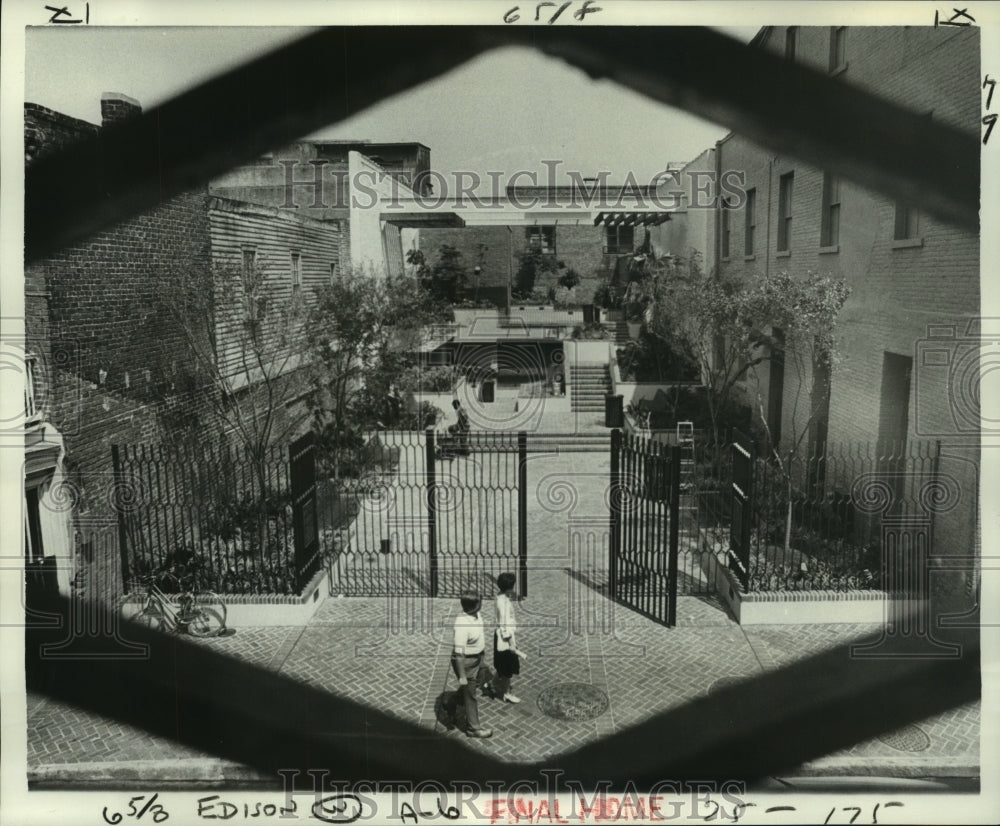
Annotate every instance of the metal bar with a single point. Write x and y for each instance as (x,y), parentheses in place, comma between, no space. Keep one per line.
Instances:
(522,509)
(431,480)
(320,79)
(116,464)
(675,487)
(614,540)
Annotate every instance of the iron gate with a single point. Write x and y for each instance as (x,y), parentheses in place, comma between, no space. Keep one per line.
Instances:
(645,494)
(428,519)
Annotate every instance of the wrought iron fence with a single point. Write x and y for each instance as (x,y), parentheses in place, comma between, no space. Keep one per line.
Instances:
(402,512)
(431,515)
(212,504)
(809,523)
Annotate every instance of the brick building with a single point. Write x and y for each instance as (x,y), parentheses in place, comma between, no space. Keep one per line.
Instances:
(908,335)
(340,182)
(114,366)
(586,227)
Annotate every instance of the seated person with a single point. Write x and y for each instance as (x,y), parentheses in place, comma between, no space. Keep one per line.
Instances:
(460,430)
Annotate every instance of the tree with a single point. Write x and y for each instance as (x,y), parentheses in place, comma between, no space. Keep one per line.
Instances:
(363,333)
(705,316)
(245,331)
(445,280)
(532,264)
(734,327)
(805,311)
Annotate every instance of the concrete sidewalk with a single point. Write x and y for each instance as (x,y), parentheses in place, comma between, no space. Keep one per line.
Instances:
(595,667)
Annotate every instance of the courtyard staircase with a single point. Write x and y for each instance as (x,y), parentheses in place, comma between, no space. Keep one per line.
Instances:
(589,384)
(618,331)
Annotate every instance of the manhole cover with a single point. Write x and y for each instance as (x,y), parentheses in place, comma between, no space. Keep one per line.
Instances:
(573,701)
(907,738)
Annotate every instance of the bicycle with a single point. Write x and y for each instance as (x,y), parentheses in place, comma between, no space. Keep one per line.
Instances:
(168,605)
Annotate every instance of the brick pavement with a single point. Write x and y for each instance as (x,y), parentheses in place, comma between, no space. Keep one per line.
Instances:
(392,654)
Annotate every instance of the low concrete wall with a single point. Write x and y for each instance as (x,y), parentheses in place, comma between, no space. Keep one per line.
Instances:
(255,610)
(509,410)
(524,321)
(634,392)
(585,351)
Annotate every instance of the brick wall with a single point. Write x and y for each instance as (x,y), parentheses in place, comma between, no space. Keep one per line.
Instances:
(900,289)
(487,247)
(691,231)
(581,247)
(496,249)
(47,131)
(118,352)
(119,369)
(116,108)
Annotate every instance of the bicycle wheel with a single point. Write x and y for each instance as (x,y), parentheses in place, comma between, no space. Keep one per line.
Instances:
(154,616)
(206,615)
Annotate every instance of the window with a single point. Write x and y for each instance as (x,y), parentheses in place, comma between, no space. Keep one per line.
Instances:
(542,239)
(30,406)
(830,220)
(333,274)
(838,44)
(785,212)
(791,37)
(776,385)
(296,273)
(894,423)
(750,213)
(725,227)
(619,239)
(906,222)
(249,265)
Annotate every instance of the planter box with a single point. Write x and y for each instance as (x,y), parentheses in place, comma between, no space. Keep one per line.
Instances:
(269,610)
(791,607)
(635,391)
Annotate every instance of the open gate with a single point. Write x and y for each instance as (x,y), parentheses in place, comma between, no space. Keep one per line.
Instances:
(743,457)
(645,496)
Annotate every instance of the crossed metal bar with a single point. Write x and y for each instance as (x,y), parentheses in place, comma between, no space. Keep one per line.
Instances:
(772,723)
(334,73)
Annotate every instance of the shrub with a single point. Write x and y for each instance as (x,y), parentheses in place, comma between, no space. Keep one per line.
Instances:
(607,297)
(651,359)
(592,330)
(569,279)
(425,416)
(435,379)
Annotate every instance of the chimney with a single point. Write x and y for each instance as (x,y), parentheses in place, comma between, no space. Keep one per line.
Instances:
(116,108)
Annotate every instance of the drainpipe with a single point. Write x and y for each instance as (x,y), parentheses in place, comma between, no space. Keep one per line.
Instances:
(510,263)
(767,239)
(717,263)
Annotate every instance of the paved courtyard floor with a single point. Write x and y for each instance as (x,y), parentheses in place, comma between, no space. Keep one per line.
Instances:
(594,667)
